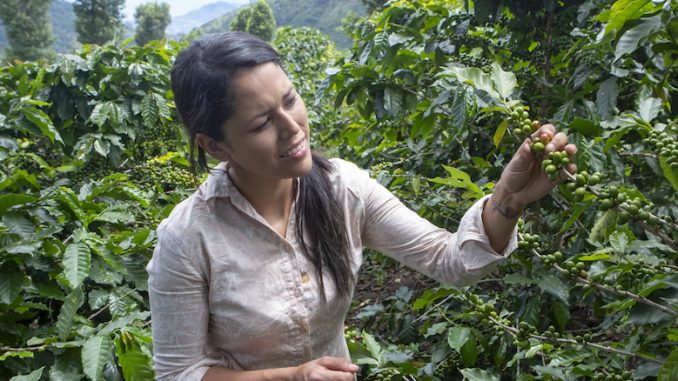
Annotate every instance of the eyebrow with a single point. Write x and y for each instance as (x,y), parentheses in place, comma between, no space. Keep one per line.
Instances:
(286,95)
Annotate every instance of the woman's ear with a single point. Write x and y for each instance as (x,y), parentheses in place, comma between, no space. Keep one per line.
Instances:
(216,149)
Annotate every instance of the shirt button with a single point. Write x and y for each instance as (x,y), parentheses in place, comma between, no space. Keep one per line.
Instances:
(304,277)
(297,292)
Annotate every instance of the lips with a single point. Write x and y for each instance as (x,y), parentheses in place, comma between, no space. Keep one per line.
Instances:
(295,149)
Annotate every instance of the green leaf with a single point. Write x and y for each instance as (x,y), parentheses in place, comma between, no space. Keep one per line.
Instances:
(631,38)
(476,374)
(135,365)
(648,109)
(469,352)
(670,173)
(11,281)
(619,242)
(114,215)
(474,77)
(669,369)
(68,366)
(11,199)
(603,226)
(458,336)
(561,313)
(43,122)
(33,376)
(499,133)
(392,101)
(553,286)
(459,179)
(76,263)
(149,110)
(19,354)
(372,345)
(621,12)
(95,354)
(163,108)
(65,320)
(99,114)
(503,81)
(606,97)
(458,110)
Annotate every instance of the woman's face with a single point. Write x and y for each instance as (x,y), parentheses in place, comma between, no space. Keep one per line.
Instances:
(267,135)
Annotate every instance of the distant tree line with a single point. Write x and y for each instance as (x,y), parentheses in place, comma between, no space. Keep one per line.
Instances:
(30,36)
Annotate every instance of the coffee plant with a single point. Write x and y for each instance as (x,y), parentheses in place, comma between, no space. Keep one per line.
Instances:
(434,98)
(591,292)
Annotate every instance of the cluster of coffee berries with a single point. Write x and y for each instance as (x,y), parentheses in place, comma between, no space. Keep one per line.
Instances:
(637,208)
(551,333)
(447,368)
(521,118)
(574,268)
(581,180)
(386,374)
(352,336)
(555,162)
(609,376)
(665,146)
(529,241)
(551,259)
(525,329)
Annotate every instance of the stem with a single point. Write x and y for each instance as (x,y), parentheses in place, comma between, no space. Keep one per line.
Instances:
(102,309)
(36,348)
(615,291)
(514,331)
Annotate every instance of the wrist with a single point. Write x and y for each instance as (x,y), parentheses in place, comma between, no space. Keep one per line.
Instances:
(505,203)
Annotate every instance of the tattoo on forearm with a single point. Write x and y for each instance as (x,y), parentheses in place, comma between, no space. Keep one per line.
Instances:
(506,211)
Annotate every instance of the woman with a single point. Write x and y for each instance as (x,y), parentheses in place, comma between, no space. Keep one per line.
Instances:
(253,274)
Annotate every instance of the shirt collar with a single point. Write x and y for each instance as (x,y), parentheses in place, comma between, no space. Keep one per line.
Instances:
(219,184)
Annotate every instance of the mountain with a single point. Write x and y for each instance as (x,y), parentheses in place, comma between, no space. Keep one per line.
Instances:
(63,27)
(184,23)
(324,15)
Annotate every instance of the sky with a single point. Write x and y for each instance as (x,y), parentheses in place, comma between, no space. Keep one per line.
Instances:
(177,7)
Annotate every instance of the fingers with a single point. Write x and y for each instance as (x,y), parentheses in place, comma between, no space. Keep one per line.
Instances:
(338,364)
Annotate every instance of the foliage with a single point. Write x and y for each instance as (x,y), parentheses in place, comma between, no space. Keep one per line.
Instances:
(98,21)
(28,28)
(91,161)
(256,19)
(591,292)
(152,19)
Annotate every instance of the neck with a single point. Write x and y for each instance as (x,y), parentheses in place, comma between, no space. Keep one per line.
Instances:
(271,198)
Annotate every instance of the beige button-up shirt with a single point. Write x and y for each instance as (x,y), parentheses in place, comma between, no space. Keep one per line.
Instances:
(226,289)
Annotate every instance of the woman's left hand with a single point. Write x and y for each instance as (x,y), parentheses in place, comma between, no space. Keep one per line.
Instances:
(523,178)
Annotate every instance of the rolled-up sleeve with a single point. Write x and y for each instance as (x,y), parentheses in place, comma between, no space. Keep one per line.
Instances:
(460,258)
(178,293)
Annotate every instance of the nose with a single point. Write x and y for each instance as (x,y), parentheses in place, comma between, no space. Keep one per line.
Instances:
(287,125)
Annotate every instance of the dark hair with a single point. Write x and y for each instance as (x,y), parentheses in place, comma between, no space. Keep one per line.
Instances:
(201,82)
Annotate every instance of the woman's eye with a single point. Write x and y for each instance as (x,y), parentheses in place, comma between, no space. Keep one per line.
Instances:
(262,126)
(292,101)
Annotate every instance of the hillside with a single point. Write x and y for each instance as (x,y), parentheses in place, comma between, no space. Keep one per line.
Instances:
(184,23)
(63,26)
(324,15)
